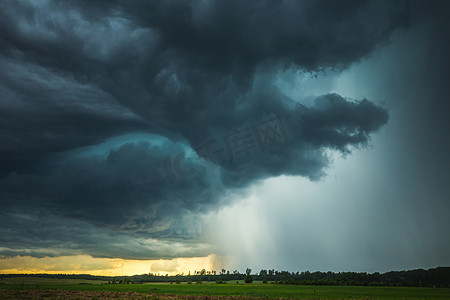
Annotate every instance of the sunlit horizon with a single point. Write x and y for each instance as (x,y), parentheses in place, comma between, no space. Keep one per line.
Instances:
(85,264)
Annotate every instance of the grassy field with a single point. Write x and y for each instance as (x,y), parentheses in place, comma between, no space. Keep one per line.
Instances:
(230,289)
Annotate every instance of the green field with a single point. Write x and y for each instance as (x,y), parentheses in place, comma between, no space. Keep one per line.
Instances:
(232,289)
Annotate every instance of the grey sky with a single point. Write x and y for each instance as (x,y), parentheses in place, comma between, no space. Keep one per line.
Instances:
(98,99)
(381,208)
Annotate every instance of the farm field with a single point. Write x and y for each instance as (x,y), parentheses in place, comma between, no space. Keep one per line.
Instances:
(41,288)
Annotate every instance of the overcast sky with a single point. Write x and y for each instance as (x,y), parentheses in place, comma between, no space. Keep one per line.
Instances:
(295,135)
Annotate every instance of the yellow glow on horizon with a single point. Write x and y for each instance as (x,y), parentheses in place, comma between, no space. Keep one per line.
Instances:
(85,264)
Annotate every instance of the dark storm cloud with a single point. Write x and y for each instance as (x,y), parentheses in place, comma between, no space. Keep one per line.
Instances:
(41,234)
(130,187)
(77,74)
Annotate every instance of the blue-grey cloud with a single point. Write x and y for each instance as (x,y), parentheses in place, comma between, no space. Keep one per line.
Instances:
(80,75)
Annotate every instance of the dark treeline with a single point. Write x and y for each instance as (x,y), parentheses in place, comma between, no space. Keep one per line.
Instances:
(436,277)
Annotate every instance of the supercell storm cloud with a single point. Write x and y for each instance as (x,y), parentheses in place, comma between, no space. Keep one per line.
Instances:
(121,122)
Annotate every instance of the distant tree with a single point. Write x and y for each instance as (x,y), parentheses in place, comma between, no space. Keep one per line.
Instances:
(248,279)
(263,273)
